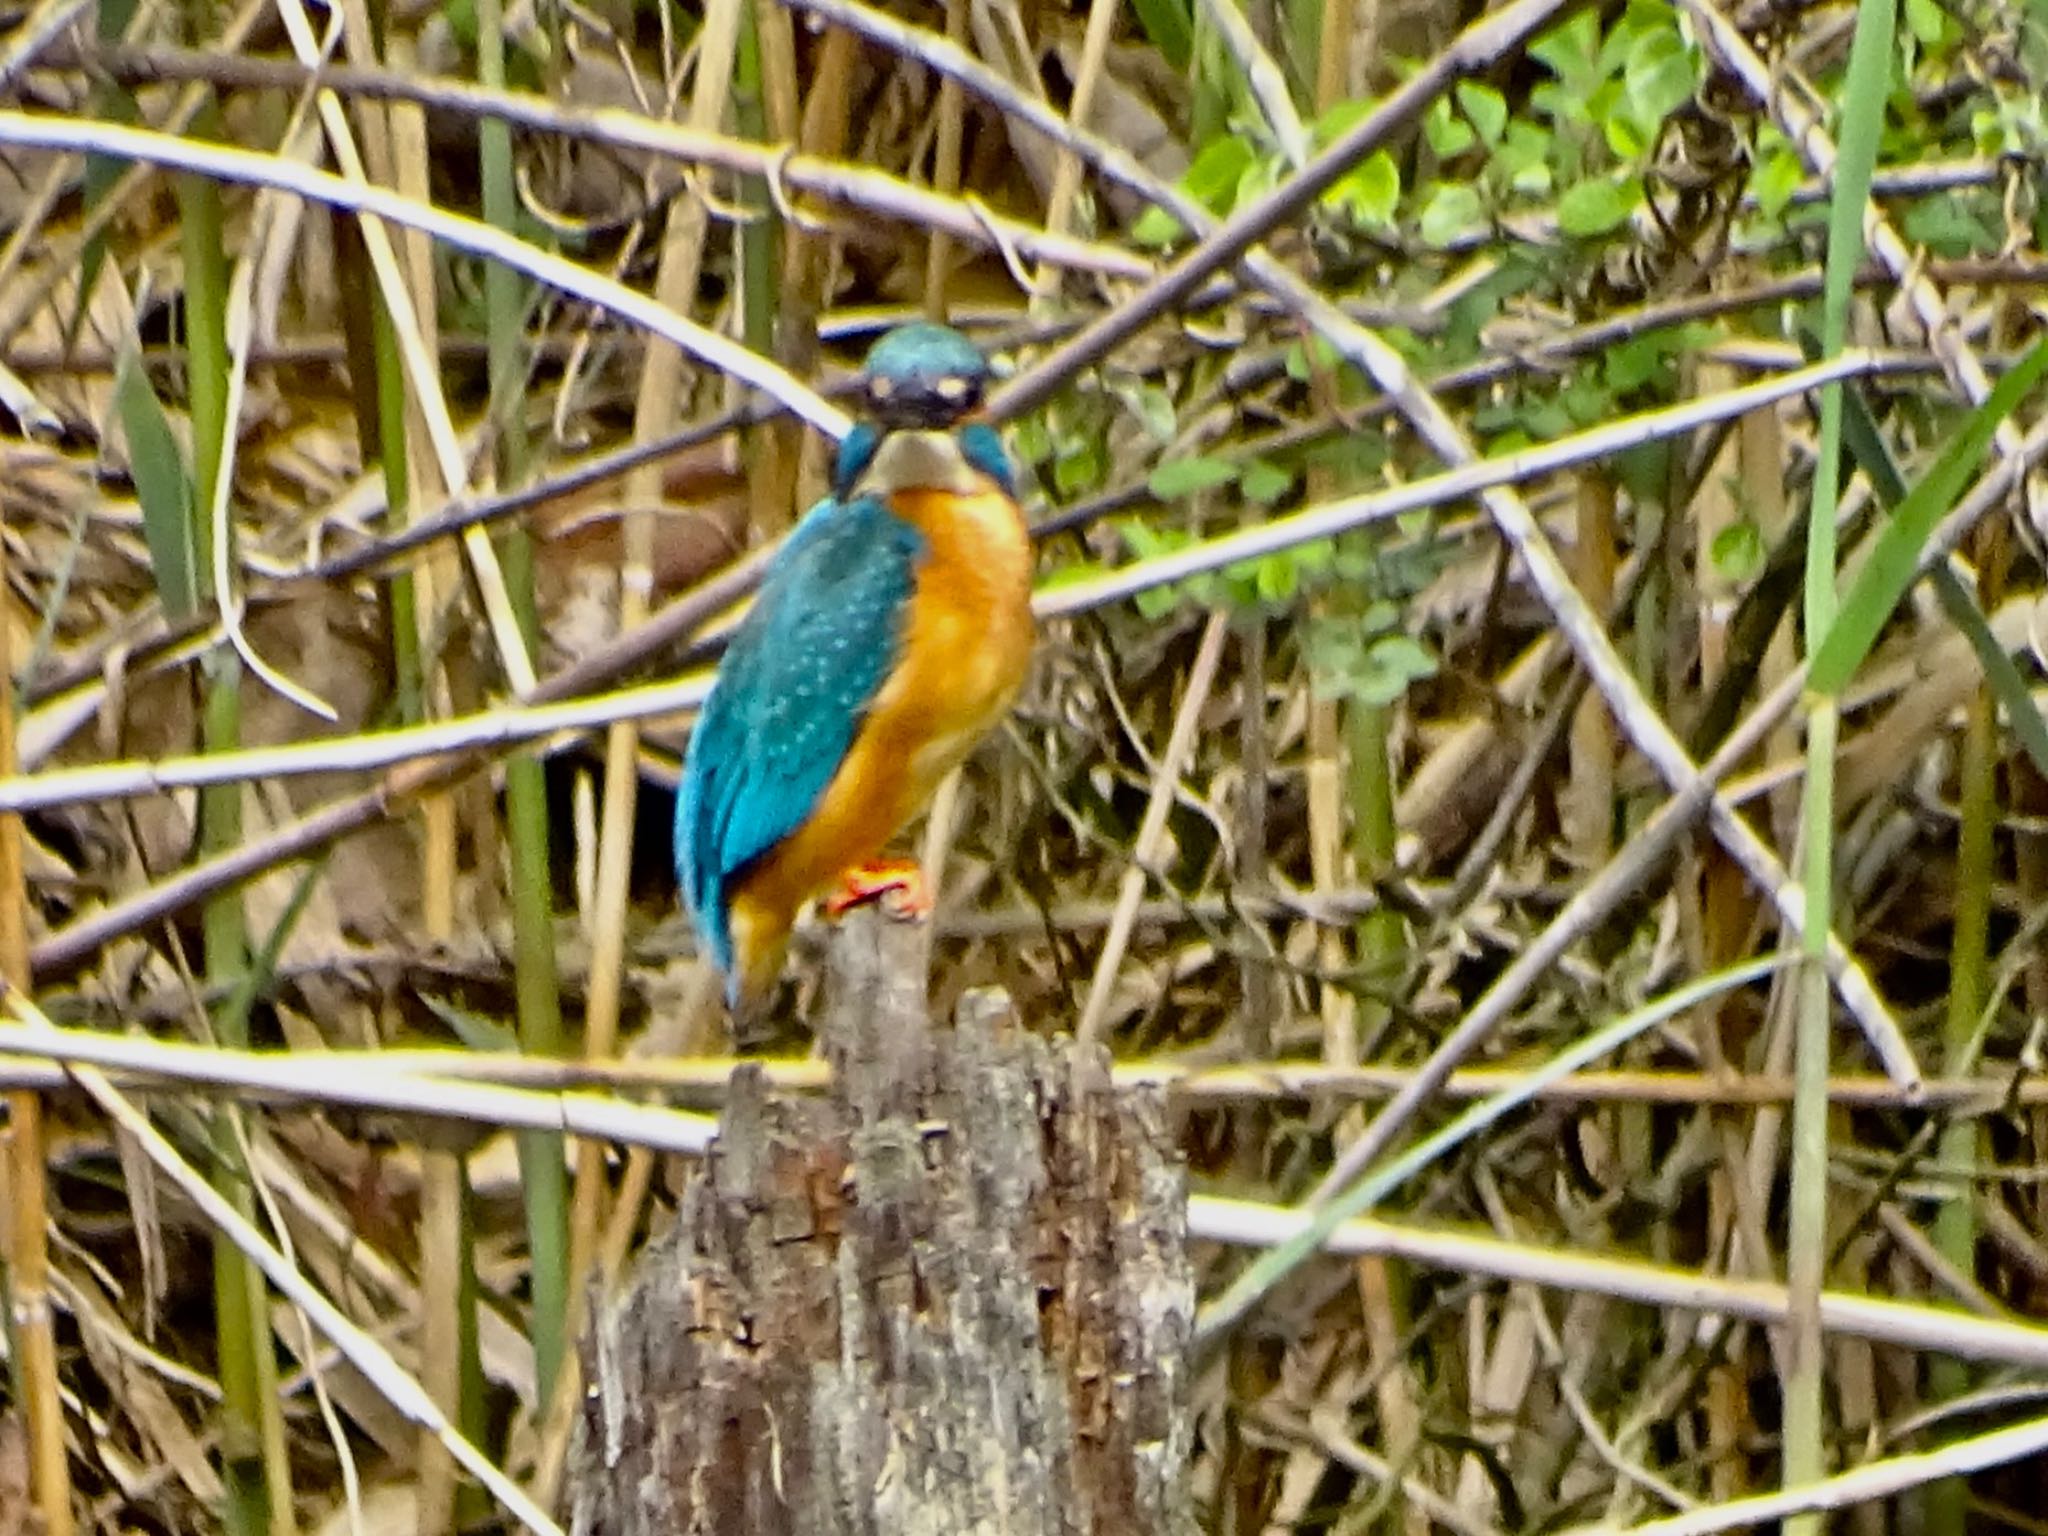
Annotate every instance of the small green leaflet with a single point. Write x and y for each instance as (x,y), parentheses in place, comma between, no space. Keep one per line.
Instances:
(1186,477)
(1454,212)
(1595,207)
(1486,108)
(1265,483)
(1171,29)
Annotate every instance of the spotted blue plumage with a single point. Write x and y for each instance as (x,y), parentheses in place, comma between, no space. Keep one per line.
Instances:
(795,684)
(823,636)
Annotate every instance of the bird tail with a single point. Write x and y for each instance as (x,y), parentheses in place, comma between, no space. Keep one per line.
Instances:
(759,945)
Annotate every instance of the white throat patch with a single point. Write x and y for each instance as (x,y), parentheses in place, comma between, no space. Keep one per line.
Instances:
(920,461)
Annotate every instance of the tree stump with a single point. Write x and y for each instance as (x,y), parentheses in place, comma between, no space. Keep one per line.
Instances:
(951,1297)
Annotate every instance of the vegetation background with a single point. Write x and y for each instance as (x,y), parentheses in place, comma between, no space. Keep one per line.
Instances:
(1488,463)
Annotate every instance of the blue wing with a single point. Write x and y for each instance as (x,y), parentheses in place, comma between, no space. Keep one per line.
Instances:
(822,637)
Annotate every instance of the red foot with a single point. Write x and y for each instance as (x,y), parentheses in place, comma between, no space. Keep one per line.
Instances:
(898,884)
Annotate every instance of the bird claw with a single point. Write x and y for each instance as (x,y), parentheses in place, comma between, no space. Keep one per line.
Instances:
(897,884)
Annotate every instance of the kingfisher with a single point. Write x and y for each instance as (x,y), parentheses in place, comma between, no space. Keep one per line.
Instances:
(890,634)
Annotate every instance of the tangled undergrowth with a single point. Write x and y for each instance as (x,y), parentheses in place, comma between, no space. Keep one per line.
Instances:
(1421,415)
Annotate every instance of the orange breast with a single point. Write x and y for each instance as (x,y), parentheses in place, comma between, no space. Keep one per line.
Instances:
(966,650)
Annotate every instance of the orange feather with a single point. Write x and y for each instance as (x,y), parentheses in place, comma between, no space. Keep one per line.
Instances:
(966,648)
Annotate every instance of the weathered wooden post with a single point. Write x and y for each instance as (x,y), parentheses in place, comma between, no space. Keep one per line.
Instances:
(953,1296)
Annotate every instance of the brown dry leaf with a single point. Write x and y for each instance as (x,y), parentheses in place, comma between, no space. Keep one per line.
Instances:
(698,527)
(125,1364)
(139,1181)
(1133,108)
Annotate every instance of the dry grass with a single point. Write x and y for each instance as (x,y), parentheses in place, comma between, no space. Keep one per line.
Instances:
(1334,844)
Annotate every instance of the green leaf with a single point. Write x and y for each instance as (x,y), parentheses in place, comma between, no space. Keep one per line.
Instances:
(1557,103)
(1572,52)
(1152,406)
(1952,225)
(1351,660)
(1189,477)
(1627,139)
(1524,159)
(1393,662)
(1586,398)
(1596,207)
(1350,457)
(1276,580)
(1895,554)
(461,18)
(1776,177)
(1371,192)
(1645,469)
(1032,438)
(1926,20)
(1863,440)
(1170,28)
(1317,557)
(162,486)
(1738,550)
(1148,544)
(1340,120)
(1060,574)
(1660,76)
(1157,602)
(1454,211)
(1214,176)
(1264,482)
(1330,648)
(1259,178)
(1630,364)
(1864,89)
(2013,693)
(1156,227)
(1449,135)
(1077,467)
(1485,108)
(1319,358)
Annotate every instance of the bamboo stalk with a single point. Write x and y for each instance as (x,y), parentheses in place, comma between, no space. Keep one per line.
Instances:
(23,1173)
(252,1441)
(1955,1222)
(542,1170)
(952,112)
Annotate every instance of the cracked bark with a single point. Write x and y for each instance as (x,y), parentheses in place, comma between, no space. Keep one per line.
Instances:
(953,1296)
